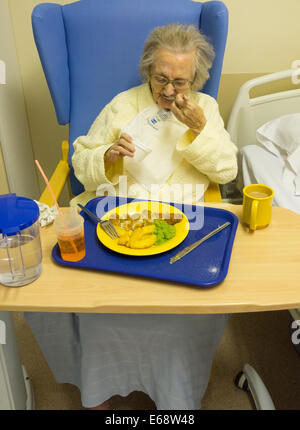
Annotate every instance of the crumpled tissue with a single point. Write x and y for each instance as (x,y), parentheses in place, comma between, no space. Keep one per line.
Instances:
(47,213)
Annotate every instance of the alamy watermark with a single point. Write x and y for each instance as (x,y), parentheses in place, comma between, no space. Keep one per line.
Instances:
(296,332)
(180,195)
(2,333)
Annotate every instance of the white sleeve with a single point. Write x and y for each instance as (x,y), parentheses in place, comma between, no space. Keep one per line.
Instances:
(212,152)
(89,150)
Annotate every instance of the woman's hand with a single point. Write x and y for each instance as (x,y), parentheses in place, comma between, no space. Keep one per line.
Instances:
(189,113)
(121,148)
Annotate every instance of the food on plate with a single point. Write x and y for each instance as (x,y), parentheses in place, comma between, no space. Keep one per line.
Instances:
(164,231)
(139,238)
(124,235)
(143,237)
(134,220)
(168,217)
(143,230)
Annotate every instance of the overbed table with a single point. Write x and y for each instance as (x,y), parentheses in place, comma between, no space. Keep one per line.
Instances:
(264,274)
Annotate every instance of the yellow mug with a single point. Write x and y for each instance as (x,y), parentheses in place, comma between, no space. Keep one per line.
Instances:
(257,205)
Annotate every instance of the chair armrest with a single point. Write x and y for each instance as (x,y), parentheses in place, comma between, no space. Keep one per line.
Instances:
(58,178)
(213,193)
(60,175)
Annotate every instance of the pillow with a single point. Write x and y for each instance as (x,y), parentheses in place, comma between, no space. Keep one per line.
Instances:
(281,134)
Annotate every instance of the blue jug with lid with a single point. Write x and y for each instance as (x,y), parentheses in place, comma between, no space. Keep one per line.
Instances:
(20,244)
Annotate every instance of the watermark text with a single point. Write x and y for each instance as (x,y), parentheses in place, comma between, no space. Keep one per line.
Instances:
(180,194)
(296,333)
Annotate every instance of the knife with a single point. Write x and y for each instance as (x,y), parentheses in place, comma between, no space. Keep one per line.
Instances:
(190,248)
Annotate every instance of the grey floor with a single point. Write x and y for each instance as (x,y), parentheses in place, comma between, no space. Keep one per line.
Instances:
(260,339)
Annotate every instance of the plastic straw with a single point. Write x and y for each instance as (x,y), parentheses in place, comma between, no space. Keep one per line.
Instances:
(54,199)
(49,187)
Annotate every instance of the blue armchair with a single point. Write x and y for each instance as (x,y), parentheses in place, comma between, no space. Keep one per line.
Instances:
(90,50)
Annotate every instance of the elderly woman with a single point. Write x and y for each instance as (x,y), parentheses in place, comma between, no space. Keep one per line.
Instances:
(167,356)
(175,61)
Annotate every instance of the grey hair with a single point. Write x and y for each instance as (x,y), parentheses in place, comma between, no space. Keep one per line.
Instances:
(179,38)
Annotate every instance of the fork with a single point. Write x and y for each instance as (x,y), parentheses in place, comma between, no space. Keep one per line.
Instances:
(107,225)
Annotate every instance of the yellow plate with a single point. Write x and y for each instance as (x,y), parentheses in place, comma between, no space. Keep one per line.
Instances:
(182,228)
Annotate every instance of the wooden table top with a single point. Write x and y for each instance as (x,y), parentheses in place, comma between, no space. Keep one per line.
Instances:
(264,274)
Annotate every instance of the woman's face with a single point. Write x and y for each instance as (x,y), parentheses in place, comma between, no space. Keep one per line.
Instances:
(171,65)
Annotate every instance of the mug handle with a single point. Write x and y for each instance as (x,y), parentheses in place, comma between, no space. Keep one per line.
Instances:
(253,215)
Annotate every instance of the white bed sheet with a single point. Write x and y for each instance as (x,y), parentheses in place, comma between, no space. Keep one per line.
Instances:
(258,165)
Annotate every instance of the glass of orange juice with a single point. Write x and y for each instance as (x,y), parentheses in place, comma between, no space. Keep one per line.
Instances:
(69,229)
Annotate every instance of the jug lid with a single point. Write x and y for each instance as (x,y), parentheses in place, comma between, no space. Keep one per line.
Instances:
(16,213)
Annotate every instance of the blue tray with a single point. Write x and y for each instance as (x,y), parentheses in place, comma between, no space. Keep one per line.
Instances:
(206,266)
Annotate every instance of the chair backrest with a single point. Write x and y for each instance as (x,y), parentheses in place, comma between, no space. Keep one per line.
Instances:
(90,51)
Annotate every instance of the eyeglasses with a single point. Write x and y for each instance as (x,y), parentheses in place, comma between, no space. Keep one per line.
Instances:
(179,84)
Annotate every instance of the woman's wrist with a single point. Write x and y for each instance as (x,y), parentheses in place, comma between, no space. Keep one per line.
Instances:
(198,130)
(195,133)
(106,160)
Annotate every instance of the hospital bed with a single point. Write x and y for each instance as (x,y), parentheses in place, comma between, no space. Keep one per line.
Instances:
(247,115)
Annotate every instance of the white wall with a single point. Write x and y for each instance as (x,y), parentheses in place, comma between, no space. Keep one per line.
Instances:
(14,131)
(263,36)
(3,178)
